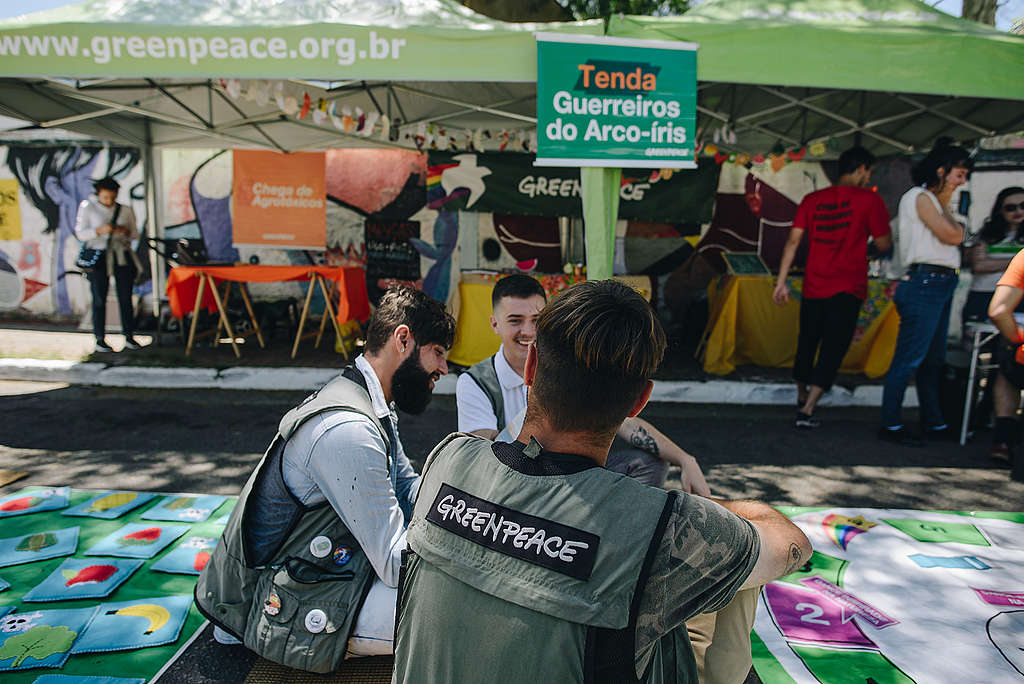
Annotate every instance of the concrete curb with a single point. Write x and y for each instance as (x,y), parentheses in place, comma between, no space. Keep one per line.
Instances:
(304,379)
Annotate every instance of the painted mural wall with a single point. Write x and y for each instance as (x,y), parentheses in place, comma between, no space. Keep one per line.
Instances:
(41,187)
(405,216)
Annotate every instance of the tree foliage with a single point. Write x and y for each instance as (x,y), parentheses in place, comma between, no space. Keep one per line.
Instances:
(983,11)
(567,10)
(602,9)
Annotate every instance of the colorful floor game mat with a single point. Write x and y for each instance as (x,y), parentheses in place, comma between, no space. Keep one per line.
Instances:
(94,583)
(897,597)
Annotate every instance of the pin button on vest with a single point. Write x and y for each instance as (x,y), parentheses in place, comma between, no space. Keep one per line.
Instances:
(320,547)
(316,621)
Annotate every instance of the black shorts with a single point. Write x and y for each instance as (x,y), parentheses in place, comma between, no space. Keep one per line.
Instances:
(1008,366)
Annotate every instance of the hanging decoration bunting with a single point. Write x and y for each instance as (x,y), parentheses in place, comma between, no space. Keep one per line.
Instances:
(306,103)
(371,121)
(320,113)
(817,149)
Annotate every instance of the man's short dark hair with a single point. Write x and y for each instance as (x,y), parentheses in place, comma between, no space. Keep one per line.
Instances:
(428,322)
(854,158)
(518,286)
(107,183)
(598,343)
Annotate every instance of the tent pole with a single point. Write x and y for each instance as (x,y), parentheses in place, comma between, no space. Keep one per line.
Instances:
(149,173)
(600,212)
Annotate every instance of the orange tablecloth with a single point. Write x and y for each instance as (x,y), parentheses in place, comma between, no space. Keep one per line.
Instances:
(183,283)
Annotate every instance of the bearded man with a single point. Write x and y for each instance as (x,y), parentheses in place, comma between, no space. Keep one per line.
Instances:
(306,570)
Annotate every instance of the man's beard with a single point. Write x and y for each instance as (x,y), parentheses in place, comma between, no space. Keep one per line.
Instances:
(410,385)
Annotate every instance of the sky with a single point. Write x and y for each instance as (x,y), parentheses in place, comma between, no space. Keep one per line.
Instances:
(1005,15)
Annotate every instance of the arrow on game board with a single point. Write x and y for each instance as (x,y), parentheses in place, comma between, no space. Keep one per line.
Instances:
(848,602)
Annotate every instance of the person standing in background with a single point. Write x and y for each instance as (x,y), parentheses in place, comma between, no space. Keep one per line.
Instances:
(104,224)
(927,245)
(838,221)
(1008,295)
(1000,238)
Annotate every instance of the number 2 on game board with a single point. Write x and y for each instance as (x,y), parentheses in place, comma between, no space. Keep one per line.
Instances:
(814,613)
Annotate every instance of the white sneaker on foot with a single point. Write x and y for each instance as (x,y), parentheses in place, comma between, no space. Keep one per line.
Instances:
(102,347)
(222,637)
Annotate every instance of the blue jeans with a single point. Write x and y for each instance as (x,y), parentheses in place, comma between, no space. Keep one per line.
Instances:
(923,302)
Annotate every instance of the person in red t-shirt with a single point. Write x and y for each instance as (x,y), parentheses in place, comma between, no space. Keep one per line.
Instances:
(838,221)
(1008,294)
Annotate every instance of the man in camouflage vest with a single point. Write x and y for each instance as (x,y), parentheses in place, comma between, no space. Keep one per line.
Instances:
(532,560)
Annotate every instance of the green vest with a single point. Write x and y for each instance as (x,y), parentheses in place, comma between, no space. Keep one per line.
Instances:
(292,592)
(485,375)
(535,577)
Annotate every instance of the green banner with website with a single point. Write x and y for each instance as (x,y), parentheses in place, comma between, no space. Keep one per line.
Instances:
(615,102)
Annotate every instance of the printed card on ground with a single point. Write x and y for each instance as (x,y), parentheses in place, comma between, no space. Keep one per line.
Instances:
(84,679)
(41,638)
(135,624)
(188,558)
(84,578)
(185,508)
(34,501)
(110,505)
(137,540)
(38,546)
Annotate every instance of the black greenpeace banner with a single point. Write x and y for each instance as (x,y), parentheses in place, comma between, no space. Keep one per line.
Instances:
(508,183)
(546,543)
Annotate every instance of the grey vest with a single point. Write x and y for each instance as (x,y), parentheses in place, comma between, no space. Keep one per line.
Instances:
(485,375)
(528,578)
(291,591)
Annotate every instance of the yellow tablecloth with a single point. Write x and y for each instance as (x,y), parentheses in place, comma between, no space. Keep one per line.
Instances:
(746,327)
(474,339)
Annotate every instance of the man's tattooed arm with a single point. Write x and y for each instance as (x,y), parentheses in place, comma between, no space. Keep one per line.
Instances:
(795,558)
(643,440)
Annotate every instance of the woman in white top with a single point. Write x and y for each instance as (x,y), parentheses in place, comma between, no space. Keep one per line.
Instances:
(928,242)
(97,227)
(999,240)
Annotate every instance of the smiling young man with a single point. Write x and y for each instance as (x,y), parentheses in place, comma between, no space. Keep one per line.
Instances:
(491,396)
(307,566)
(532,560)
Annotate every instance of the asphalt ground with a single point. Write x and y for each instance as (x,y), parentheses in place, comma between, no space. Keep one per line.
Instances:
(209,440)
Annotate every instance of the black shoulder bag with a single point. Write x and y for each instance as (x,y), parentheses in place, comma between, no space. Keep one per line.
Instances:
(88,257)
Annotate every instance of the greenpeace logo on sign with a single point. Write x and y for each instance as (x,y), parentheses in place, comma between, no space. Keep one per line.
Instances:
(539,541)
(604,76)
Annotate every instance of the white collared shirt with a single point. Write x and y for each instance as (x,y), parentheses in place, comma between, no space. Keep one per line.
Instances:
(339,456)
(475,410)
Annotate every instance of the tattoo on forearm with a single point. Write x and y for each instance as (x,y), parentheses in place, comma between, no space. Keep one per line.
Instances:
(795,558)
(644,441)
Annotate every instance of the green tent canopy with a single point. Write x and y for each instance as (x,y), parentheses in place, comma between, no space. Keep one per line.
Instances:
(150,72)
(892,74)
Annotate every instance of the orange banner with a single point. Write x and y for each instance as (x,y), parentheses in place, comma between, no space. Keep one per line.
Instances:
(280,199)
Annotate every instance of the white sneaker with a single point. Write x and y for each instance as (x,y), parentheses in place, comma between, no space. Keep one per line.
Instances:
(222,637)
(131,344)
(102,347)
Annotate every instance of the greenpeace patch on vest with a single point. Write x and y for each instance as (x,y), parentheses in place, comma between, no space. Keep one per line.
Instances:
(546,543)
